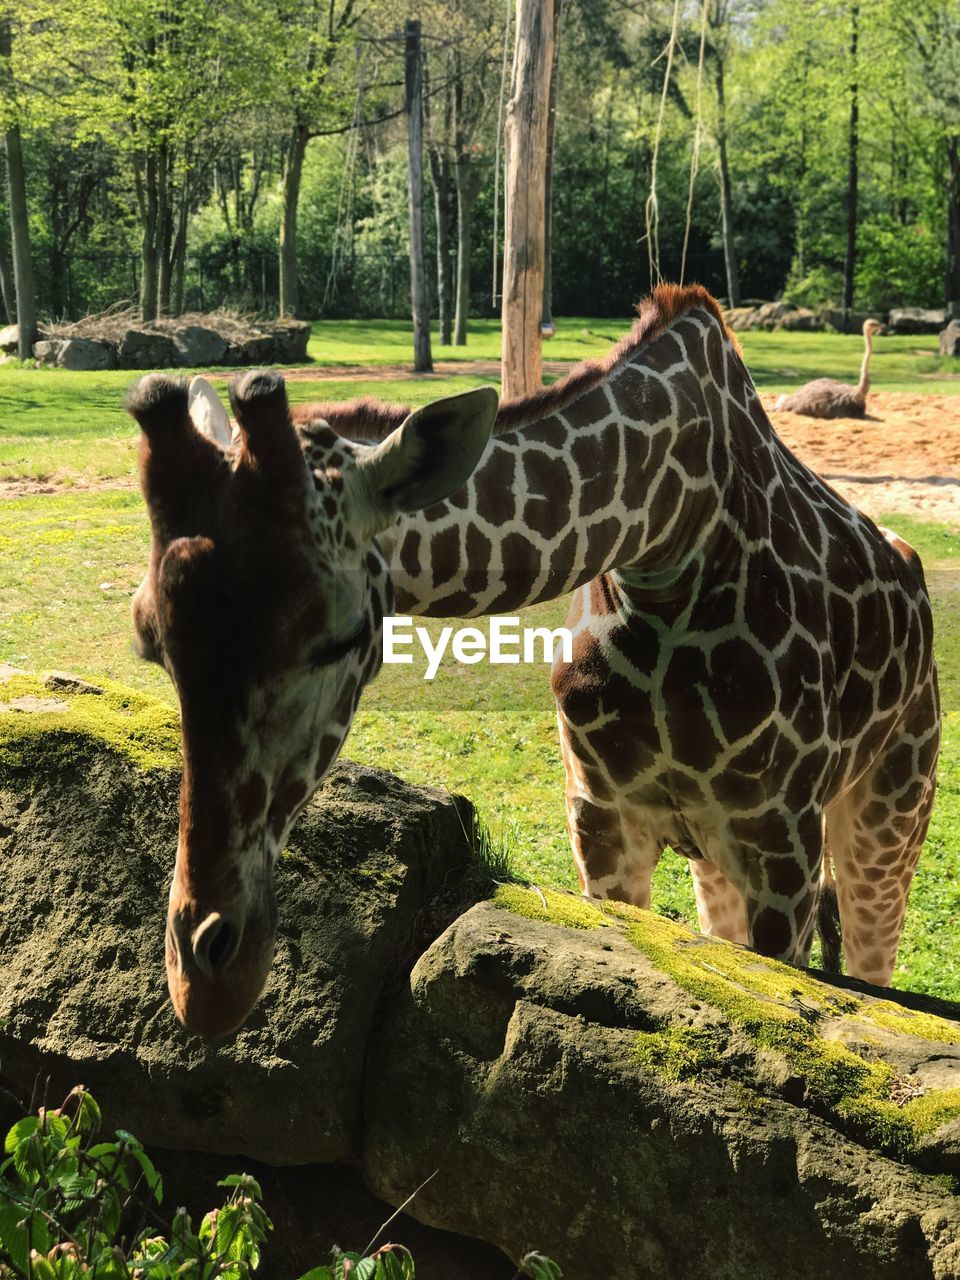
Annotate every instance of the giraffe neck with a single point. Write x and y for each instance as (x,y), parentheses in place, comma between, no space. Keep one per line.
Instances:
(863,386)
(633,475)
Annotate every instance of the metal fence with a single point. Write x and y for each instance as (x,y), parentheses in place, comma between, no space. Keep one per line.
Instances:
(362,285)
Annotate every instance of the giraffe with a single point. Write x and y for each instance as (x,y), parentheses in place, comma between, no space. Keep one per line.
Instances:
(751,680)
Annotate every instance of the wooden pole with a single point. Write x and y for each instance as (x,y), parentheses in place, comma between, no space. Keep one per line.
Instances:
(524,223)
(419,298)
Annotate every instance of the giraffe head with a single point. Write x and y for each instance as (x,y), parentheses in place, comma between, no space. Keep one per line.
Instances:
(264,601)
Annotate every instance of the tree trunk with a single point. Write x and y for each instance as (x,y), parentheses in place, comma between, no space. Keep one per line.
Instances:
(853,143)
(178,254)
(445,217)
(26,300)
(419,291)
(467,190)
(145,173)
(164,231)
(7,290)
(292,178)
(526,155)
(726,197)
(20,240)
(953,224)
(548,328)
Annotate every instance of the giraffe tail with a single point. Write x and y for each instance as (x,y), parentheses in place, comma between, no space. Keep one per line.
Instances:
(828,921)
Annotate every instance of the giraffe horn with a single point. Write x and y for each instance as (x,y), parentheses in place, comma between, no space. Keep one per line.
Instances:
(259,402)
(178,465)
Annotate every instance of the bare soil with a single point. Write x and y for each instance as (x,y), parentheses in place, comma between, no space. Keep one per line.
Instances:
(904,456)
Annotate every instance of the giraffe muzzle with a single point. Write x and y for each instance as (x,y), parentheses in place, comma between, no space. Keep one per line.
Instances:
(217,969)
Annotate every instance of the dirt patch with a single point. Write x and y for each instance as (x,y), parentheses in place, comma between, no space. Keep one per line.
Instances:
(904,457)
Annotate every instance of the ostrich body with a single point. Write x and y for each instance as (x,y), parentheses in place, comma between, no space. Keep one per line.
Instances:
(827,398)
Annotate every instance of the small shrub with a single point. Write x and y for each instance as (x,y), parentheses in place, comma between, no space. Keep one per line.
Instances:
(75,1208)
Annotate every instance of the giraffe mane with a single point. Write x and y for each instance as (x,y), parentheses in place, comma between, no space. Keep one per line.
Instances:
(369,419)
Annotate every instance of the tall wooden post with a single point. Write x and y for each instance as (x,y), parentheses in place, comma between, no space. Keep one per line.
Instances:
(419,299)
(524,223)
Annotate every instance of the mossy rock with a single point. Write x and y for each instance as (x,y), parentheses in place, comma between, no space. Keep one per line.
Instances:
(638,1100)
(374,869)
(881,1070)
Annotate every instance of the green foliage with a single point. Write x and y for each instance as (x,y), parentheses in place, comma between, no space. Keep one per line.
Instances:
(899,261)
(73,1207)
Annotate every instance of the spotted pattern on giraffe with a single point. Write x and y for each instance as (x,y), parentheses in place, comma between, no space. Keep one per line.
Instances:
(752,678)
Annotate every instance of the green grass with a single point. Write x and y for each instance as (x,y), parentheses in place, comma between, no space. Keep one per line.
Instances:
(69,564)
(778,361)
(71,427)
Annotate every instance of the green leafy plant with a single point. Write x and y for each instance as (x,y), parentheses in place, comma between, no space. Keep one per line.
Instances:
(73,1207)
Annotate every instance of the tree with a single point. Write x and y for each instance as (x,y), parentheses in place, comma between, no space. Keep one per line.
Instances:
(313,36)
(26,303)
(419,294)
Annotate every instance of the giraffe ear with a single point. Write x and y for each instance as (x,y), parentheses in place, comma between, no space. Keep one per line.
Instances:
(207,412)
(431,454)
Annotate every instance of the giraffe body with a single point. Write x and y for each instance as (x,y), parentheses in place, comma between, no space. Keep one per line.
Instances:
(752,671)
(752,680)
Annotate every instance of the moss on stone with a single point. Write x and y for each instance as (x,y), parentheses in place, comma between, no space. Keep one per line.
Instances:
(909,1022)
(679,1053)
(550,905)
(143,729)
(779,1008)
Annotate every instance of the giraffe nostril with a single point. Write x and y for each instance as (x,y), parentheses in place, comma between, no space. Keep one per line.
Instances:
(215,943)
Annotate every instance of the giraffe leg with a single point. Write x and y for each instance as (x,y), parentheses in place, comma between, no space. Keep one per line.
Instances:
(779,886)
(614,856)
(720,906)
(875,833)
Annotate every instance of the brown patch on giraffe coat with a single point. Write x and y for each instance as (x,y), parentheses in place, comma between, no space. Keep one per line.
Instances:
(495,485)
(685,685)
(445,554)
(596,457)
(771,932)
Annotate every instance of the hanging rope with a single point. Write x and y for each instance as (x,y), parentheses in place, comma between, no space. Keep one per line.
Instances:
(652,209)
(697,133)
(496,161)
(343,232)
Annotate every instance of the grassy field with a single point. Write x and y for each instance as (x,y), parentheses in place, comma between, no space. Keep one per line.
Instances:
(71,427)
(69,563)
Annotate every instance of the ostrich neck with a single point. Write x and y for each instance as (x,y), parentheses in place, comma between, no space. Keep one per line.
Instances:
(864,384)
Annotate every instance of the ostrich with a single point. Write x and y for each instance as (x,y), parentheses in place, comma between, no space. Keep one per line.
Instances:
(827,398)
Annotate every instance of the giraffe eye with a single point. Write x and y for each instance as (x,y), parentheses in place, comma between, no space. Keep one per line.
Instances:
(328,654)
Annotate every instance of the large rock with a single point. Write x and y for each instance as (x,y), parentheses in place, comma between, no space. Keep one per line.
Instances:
(291,338)
(638,1101)
(145,349)
(802,320)
(950,339)
(844,321)
(10,339)
(79,354)
(89,777)
(197,346)
(916,320)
